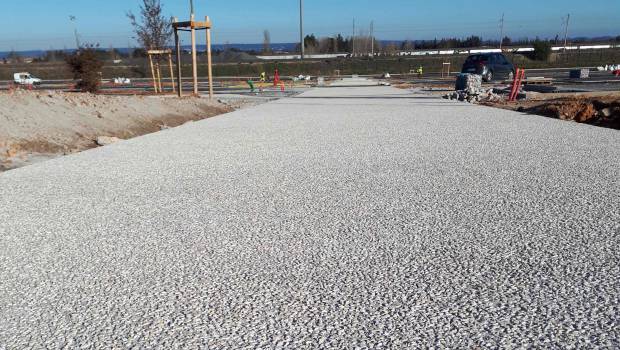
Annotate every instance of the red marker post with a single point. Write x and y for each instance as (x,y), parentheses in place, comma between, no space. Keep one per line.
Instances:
(276,78)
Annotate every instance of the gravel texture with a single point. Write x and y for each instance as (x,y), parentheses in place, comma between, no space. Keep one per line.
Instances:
(348,217)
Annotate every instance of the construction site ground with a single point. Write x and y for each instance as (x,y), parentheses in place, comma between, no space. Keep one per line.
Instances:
(42,124)
(596,108)
(47,121)
(590,101)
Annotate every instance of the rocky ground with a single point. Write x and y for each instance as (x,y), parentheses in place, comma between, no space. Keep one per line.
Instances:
(35,126)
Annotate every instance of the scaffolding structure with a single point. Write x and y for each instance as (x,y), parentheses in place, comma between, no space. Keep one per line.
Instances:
(192,26)
(156,71)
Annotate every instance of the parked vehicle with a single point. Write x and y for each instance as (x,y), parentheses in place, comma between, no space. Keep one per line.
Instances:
(26,78)
(122,81)
(490,65)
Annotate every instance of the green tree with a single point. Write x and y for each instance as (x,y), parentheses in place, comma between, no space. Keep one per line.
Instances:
(472,41)
(542,50)
(310,41)
(138,53)
(14,56)
(407,45)
(266,42)
(341,44)
(86,67)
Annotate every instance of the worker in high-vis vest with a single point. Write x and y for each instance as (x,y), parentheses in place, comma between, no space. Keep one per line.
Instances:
(420,71)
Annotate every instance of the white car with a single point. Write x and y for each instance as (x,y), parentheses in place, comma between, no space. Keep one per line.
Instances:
(26,79)
(122,81)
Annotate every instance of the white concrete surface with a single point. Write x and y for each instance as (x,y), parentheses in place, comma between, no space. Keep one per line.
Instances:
(345,218)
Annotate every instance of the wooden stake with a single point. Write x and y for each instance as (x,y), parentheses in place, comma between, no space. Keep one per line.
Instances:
(153,73)
(158,76)
(194,60)
(171,71)
(210,68)
(177,43)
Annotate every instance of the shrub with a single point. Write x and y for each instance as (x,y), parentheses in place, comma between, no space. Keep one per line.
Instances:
(86,67)
(542,50)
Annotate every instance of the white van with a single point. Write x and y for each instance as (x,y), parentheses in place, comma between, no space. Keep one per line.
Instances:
(25,78)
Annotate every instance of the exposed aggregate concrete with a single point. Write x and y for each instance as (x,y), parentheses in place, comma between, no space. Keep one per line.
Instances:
(345,218)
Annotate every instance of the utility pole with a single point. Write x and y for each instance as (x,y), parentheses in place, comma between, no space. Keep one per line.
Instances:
(372,38)
(353,40)
(301,28)
(75,32)
(501,32)
(566,30)
(191,8)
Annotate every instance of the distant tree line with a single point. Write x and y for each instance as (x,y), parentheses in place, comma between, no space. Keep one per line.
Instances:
(100,53)
(335,44)
(362,43)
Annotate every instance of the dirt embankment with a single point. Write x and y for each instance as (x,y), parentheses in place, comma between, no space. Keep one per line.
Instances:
(603,111)
(595,111)
(41,125)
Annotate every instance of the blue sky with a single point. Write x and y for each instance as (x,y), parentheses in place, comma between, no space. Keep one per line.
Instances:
(44,24)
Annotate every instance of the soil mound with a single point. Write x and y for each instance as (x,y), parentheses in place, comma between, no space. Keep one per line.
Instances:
(595,111)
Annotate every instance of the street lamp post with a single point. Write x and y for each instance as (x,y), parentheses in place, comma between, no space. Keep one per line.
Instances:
(301,27)
(75,32)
